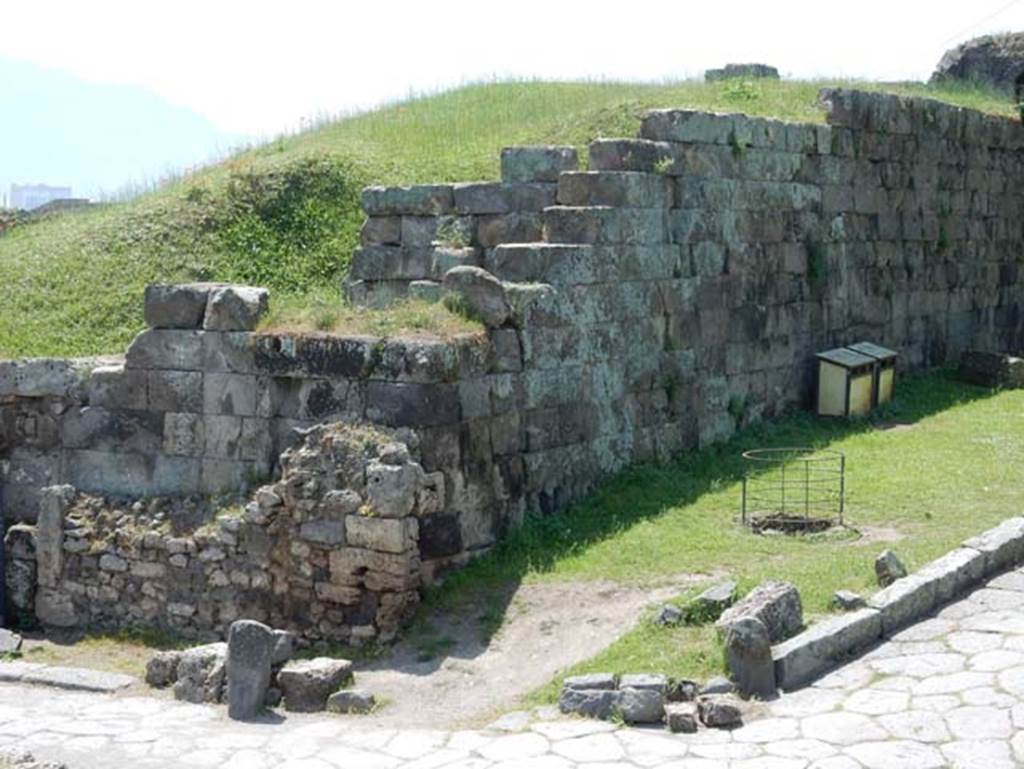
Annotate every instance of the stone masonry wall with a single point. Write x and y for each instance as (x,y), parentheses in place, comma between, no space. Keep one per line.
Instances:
(684,282)
(655,303)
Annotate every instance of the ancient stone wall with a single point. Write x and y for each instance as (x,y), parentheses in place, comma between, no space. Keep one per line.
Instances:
(655,303)
(683,284)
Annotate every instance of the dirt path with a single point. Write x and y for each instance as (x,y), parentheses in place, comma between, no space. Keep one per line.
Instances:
(546,628)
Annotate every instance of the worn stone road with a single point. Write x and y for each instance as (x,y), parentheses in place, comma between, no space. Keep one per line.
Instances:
(947,692)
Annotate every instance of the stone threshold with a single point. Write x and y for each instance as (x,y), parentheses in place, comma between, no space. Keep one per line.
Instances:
(806,657)
(73,679)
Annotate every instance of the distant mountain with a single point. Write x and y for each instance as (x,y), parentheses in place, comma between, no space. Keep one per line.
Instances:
(60,130)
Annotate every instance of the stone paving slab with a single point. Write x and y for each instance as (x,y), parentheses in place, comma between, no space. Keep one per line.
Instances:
(945,692)
(82,679)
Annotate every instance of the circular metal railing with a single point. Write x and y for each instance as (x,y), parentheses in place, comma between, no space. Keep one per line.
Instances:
(793,489)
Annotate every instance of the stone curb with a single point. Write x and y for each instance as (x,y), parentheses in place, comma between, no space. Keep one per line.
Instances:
(820,648)
(76,679)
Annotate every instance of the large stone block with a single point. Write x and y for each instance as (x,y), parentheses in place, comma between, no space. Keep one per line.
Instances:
(306,684)
(180,305)
(391,263)
(636,155)
(593,703)
(229,394)
(421,200)
(220,476)
(388,535)
(543,262)
(482,293)
(39,377)
(26,472)
(955,572)
(171,390)
(427,231)
(518,227)
(1002,546)
(677,125)
(391,489)
(407,404)
(201,673)
(223,436)
(904,601)
(440,536)
(117,388)
(313,356)
(324,532)
(166,349)
(381,231)
(628,189)
(805,657)
(131,474)
(500,198)
(374,570)
(236,308)
(100,429)
(184,434)
(777,606)
(605,225)
(228,351)
(537,163)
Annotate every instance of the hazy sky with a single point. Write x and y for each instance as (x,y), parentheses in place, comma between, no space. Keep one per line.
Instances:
(258,67)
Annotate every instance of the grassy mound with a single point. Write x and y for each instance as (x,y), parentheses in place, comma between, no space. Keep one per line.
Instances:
(286,215)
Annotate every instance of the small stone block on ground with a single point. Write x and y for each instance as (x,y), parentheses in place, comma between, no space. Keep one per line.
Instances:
(594,703)
(641,706)
(9,641)
(682,717)
(889,568)
(351,701)
(306,684)
(590,681)
(720,711)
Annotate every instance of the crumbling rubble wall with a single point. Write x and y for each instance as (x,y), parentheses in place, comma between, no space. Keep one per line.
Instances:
(330,551)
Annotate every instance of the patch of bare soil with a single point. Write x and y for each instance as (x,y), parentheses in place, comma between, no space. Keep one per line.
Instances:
(546,628)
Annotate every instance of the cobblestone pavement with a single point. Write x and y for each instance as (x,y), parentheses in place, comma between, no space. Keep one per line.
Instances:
(947,692)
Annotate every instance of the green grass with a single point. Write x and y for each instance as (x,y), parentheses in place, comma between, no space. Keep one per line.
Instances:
(286,215)
(320,311)
(943,462)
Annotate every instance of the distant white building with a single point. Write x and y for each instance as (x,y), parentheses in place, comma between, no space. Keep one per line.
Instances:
(29,196)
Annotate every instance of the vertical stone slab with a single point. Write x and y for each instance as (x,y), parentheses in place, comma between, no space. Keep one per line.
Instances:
(53,607)
(749,653)
(250,652)
(53,502)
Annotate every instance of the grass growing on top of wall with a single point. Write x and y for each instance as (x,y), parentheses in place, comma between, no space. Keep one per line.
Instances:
(286,215)
(321,311)
(943,462)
